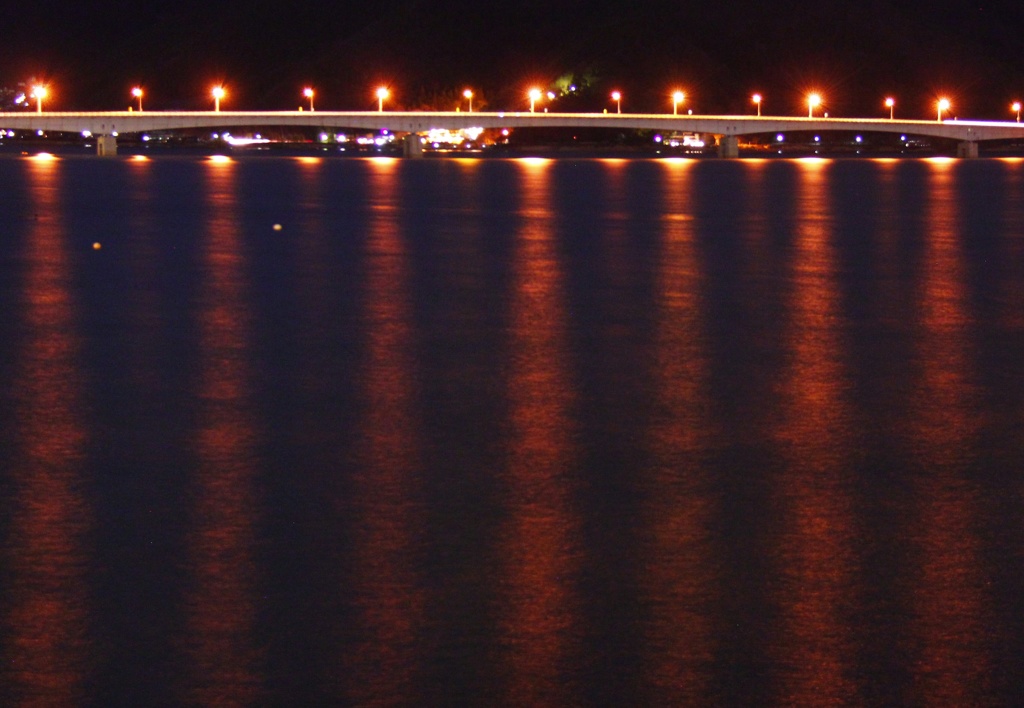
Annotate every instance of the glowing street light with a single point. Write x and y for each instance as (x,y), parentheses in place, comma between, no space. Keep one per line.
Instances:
(218,93)
(617,97)
(890,103)
(137,93)
(813,101)
(308,93)
(39,93)
(943,106)
(1016,109)
(756,98)
(534,96)
(382,93)
(468,95)
(677,98)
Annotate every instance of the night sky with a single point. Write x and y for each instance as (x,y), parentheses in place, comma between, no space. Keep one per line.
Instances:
(854,53)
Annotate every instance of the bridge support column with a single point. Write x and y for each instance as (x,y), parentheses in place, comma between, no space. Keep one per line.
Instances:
(728,146)
(967,149)
(106,145)
(411,146)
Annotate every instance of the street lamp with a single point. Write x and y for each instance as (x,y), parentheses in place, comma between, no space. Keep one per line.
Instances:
(943,106)
(468,95)
(617,97)
(1016,108)
(813,101)
(756,98)
(39,93)
(382,93)
(534,96)
(137,93)
(677,98)
(218,93)
(890,103)
(308,93)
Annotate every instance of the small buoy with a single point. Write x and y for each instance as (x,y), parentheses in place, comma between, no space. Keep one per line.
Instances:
(277,227)
(96,246)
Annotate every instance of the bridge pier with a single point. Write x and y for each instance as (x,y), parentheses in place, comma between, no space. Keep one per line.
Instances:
(967,149)
(106,145)
(411,146)
(728,146)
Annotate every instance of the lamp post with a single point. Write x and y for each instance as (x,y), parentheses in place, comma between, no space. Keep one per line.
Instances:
(308,93)
(1016,109)
(468,95)
(890,103)
(677,98)
(137,93)
(39,93)
(617,97)
(218,93)
(382,93)
(534,96)
(813,101)
(756,98)
(943,106)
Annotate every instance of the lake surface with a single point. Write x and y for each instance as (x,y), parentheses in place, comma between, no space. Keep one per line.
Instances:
(511,432)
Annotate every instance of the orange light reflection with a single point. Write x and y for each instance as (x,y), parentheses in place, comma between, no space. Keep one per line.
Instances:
(950,652)
(44,648)
(815,560)
(539,542)
(222,602)
(678,563)
(385,507)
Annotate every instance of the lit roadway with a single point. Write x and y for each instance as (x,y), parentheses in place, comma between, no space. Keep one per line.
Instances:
(109,123)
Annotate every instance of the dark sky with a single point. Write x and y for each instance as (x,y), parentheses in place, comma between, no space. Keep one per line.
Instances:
(855,53)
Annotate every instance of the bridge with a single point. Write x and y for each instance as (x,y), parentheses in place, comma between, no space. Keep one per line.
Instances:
(107,125)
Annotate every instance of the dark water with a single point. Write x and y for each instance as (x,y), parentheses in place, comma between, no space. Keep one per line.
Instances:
(515,432)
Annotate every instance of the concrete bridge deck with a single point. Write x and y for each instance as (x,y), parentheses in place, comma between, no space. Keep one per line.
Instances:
(111,123)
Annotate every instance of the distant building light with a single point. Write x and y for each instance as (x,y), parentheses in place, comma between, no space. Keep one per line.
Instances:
(779,138)
(86,133)
(39,132)
(903,138)
(858,139)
